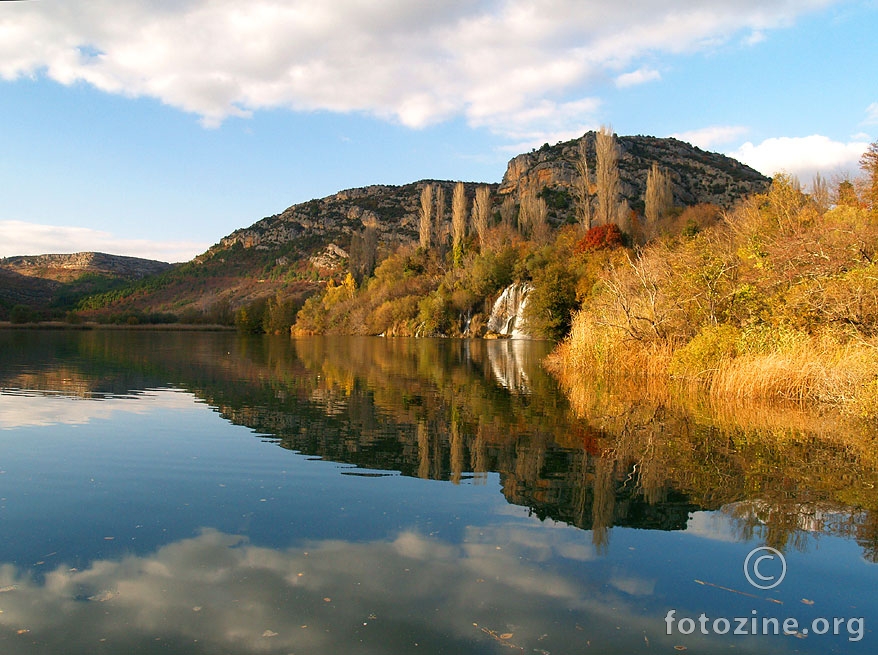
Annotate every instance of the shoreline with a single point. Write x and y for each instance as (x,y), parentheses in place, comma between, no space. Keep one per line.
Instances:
(161,327)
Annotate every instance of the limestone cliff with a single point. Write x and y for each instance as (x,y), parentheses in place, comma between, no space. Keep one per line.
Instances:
(697,176)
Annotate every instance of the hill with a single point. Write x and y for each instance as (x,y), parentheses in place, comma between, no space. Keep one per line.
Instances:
(697,176)
(292,254)
(57,281)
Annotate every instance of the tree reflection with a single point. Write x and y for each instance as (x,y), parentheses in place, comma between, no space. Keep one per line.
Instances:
(580,453)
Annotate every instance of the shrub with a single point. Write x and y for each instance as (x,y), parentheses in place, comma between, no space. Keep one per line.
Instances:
(22,314)
(600,237)
(705,351)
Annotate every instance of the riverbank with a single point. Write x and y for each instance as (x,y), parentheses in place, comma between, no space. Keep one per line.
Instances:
(90,325)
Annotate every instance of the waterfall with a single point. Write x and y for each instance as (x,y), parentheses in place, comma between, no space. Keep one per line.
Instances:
(507,315)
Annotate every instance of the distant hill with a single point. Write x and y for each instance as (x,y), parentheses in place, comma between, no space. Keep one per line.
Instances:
(292,253)
(64,268)
(58,280)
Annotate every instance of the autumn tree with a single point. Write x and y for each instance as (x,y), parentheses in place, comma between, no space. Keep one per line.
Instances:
(425,215)
(507,213)
(846,195)
(363,253)
(481,215)
(533,218)
(820,192)
(458,221)
(869,165)
(440,231)
(607,175)
(659,199)
(582,187)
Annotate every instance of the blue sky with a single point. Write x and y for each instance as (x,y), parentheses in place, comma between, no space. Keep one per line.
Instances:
(154,128)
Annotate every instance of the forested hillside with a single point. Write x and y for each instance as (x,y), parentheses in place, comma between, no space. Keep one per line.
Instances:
(410,249)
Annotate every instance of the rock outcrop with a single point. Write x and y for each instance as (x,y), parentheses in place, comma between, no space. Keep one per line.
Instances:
(697,176)
(305,229)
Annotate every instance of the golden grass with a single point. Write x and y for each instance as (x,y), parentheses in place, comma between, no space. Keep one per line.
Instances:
(829,370)
(820,371)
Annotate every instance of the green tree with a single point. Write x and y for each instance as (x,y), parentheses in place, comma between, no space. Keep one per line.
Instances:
(363,254)
(550,305)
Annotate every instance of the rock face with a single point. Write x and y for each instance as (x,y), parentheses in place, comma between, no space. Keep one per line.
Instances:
(507,314)
(697,176)
(307,228)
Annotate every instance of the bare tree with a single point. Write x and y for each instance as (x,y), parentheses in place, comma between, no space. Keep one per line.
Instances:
(582,187)
(507,212)
(458,221)
(820,192)
(425,224)
(659,198)
(482,214)
(533,218)
(607,174)
(363,253)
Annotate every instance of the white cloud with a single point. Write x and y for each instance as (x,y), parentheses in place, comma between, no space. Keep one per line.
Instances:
(415,63)
(640,76)
(871,114)
(22,238)
(802,156)
(709,137)
(755,38)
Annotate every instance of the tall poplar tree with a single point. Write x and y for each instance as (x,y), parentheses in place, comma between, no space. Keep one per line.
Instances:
(458,221)
(607,174)
(425,215)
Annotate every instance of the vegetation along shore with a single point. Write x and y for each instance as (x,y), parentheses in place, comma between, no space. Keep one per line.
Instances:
(644,258)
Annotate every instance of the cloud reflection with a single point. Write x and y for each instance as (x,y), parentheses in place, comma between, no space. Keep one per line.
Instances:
(218,593)
(39,409)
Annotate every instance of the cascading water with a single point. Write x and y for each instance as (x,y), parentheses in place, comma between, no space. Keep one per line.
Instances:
(507,315)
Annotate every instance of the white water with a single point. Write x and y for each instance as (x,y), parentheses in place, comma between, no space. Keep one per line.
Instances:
(507,315)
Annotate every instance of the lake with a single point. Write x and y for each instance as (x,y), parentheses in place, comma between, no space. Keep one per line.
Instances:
(174,492)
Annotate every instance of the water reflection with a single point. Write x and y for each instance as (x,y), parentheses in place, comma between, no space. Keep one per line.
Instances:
(217,592)
(459,410)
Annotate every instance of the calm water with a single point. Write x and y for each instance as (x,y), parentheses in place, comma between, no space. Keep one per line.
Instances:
(208,493)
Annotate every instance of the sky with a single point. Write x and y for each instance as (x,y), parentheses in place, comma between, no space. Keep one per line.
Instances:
(153,128)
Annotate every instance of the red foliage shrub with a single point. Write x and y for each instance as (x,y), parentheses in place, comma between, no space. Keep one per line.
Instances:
(602,236)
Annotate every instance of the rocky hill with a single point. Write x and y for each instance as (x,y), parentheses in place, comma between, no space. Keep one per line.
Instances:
(697,176)
(63,268)
(293,252)
(308,228)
